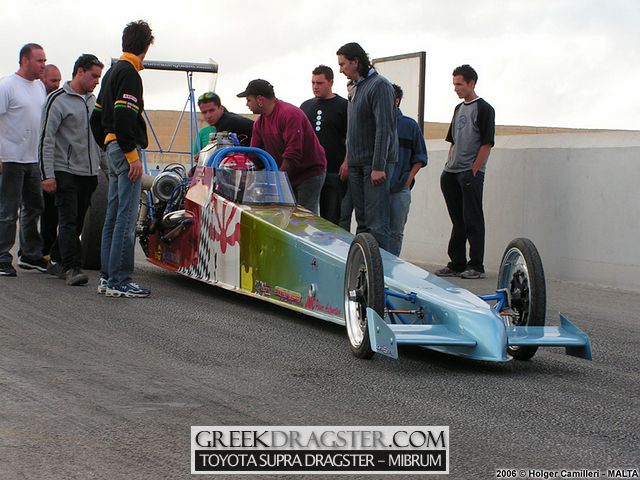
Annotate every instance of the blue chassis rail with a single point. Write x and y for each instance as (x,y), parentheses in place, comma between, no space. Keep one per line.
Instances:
(385,337)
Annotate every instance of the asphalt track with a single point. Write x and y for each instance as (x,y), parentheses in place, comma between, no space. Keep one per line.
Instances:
(92,387)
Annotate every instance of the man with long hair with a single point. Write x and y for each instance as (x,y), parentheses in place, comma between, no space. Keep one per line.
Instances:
(372,141)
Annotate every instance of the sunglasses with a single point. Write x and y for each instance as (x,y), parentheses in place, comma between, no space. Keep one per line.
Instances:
(207,97)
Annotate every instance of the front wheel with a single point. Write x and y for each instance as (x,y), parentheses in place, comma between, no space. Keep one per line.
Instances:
(363,287)
(522,275)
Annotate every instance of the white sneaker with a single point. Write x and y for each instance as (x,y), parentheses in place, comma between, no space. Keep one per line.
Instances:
(102,286)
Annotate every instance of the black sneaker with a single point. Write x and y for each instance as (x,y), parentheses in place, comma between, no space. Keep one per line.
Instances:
(7,270)
(75,276)
(27,263)
(128,290)
(56,269)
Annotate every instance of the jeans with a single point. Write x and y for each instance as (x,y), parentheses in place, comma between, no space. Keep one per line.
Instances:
(308,193)
(463,195)
(73,197)
(20,188)
(333,191)
(370,202)
(119,231)
(400,203)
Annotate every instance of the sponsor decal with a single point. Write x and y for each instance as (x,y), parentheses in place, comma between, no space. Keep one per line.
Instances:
(287,296)
(314,264)
(312,303)
(262,288)
(384,350)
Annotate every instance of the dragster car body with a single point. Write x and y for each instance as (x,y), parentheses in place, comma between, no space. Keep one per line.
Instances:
(240,230)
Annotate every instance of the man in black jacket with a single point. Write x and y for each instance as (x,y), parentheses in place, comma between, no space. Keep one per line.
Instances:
(219,119)
(118,126)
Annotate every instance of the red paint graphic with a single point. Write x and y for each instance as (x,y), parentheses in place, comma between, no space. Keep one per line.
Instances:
(225,216)
(312,303)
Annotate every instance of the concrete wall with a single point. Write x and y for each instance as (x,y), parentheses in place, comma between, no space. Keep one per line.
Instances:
(573,192)
(575,196)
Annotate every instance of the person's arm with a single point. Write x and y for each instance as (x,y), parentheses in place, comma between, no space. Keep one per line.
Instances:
(293,136)
(127,106)
(487,128)
(4,107)
(49,126)
(245,128)
(96,123)
(415,168)
(256,135)
(383,108)
(481,158)
(344,170)
(418,153)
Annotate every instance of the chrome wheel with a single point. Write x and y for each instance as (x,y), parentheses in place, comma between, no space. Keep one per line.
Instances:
(363,287)
(522,275)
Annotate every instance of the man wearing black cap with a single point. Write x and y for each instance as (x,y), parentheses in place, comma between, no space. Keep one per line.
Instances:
(284,131)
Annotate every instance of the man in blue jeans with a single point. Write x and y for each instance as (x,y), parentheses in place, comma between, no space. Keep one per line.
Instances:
(412,156)
(372,141)
(118,124)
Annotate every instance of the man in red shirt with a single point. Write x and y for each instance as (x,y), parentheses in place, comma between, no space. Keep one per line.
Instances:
(284,131)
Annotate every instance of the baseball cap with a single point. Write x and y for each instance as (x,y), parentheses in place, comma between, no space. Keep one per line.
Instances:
(258,87)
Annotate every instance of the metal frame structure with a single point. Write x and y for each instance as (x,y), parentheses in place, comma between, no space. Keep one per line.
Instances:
(189,68)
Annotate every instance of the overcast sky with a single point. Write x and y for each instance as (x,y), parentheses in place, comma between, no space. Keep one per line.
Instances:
(563,63)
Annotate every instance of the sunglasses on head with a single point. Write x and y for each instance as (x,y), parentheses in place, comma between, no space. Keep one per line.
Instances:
(206,97)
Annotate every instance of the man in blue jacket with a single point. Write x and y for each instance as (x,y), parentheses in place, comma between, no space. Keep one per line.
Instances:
(412,156)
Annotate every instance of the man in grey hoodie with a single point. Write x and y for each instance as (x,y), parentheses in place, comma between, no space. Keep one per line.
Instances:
(69,162)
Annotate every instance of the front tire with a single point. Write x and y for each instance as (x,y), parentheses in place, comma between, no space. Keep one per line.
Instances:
(522,275)
(363,287)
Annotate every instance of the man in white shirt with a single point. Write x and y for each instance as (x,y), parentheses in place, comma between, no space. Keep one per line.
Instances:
(22,96)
